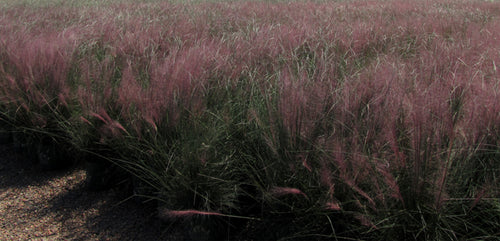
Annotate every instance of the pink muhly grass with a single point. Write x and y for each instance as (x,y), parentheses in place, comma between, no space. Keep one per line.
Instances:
(333,206)
(479,196)
(85,120)
(98,116)
(117,125)
(301,104)
(178,80)
(173,214)
(282,191)
(61,97)
(305,163)
(396,106)
(43,58)
(326,178)
(391,182)
(151,121)
(353,186)
(25,106)
(38,120)
(130,92)
(339,159)
(10,92)
(365,221)
(111,127)
(392,138)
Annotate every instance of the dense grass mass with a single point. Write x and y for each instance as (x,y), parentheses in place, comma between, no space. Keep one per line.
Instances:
(375,120)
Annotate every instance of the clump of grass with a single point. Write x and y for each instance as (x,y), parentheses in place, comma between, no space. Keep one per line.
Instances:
(252,118)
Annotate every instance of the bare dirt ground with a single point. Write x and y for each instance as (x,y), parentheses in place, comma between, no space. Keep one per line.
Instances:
(56,205)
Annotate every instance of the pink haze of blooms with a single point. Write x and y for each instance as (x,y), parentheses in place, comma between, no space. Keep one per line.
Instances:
(380,87)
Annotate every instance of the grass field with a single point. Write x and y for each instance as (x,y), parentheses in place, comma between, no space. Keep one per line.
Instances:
(267,120)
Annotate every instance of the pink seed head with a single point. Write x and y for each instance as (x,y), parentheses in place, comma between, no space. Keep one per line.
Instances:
(333,206)
(172,214)
(281,191)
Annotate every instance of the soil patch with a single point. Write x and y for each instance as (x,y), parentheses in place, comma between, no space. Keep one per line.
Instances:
(56,205)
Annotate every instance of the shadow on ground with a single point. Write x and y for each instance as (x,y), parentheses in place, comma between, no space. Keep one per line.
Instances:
(18,169)
(56,205)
